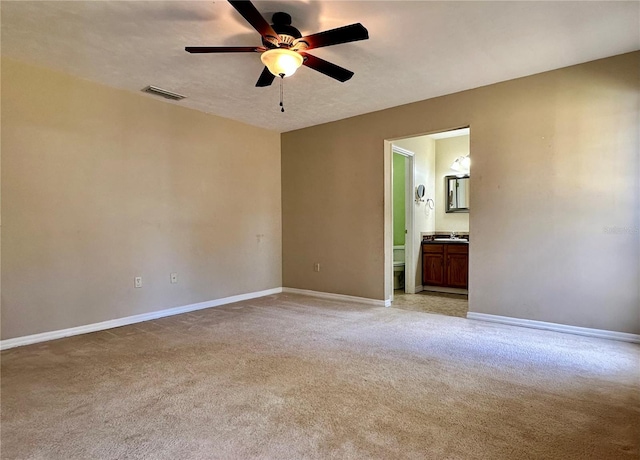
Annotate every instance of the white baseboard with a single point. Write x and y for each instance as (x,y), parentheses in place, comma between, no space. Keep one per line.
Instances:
(346,298)
(45,336)
(598,333)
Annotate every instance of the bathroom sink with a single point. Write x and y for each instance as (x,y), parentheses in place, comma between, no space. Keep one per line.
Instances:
(451,240)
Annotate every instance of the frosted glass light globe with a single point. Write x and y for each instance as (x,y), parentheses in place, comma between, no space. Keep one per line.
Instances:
(281,61)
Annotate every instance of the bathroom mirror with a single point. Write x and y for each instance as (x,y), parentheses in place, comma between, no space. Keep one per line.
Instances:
(457,193)
(420,192)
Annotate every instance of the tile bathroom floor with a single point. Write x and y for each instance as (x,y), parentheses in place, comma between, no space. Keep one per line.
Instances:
(432,302)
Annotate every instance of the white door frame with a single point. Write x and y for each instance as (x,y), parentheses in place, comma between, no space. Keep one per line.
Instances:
(409,262)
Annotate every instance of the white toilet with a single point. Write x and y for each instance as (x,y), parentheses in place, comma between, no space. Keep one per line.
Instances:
(398,267)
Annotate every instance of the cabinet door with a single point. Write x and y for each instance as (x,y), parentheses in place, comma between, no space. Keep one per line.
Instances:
(457,270)
(432,269)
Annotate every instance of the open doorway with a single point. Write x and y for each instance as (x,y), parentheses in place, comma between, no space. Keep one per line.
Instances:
(436,243)
(403,178)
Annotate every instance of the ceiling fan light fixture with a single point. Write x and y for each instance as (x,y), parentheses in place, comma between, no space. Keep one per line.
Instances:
(281,61)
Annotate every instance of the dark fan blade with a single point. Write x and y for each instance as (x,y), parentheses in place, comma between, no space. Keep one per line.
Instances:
(345,34)
(224,49)
(253,17)
(327,68)
(266,78)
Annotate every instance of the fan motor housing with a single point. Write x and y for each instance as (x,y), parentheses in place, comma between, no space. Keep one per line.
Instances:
(282,26)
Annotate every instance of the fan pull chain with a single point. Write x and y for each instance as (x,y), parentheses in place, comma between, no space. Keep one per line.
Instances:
(281,93)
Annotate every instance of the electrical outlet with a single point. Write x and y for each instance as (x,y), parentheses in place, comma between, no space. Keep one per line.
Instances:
(137,282)
(174,278)
(316,267)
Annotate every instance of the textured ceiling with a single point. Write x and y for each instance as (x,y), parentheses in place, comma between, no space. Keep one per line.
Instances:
(417,49)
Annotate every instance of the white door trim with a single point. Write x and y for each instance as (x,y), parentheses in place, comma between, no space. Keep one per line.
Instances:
(388,223)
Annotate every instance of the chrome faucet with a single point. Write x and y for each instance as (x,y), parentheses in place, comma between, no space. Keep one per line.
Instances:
(454,236)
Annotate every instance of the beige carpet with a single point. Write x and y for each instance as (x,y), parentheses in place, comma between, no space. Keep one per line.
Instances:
(432,302)
(292,377)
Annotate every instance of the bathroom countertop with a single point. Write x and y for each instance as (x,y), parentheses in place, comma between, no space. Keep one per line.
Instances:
(446,241)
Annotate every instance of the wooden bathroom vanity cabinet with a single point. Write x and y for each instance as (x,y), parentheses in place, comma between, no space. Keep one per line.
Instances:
(445,264)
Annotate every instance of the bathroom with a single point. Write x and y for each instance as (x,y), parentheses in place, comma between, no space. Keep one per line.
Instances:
(436,201)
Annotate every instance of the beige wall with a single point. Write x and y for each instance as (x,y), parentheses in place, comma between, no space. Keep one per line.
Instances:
(101,185)
(555,165)
(447,150)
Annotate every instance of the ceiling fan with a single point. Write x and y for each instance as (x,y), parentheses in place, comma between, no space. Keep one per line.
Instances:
(284,48)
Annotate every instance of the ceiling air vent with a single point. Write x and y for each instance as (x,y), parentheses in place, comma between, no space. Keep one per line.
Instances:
(163,92)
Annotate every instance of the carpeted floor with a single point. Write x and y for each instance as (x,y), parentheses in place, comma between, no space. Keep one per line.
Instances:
(294,377)
(432,302)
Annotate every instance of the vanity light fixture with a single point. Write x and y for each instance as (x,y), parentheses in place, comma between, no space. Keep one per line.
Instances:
(461,166)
